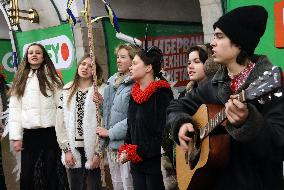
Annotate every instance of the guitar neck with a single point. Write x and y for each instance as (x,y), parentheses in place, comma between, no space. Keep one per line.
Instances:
(218,118)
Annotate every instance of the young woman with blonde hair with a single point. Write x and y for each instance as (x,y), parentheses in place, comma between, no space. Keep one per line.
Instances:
(115,106)
(76,124)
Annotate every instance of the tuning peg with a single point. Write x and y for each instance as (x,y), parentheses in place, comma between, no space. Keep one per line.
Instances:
(278,94)
(275,75)
(261,101)
(260,78)
(267,73)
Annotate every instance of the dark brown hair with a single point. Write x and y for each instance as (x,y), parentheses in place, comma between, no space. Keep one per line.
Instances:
(46,74)
(153,56)
(204,51)
(242,57)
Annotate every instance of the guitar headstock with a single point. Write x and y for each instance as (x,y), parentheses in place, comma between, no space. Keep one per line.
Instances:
(268,83)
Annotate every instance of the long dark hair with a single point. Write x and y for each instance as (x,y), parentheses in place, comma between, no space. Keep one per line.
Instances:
(243,57)
(46,74)
(3,92)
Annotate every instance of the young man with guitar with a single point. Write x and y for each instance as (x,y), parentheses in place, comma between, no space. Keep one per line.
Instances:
(254,130)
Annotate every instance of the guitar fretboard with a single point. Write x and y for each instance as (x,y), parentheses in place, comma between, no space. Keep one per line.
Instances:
(217,119)
(213,123)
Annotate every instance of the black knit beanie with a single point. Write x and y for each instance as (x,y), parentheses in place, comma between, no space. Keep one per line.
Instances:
(244,26)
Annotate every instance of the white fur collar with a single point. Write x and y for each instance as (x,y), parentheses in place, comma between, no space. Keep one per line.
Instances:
(89,127)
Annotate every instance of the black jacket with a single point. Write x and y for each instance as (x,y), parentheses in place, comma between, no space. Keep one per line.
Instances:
(146,123)
(256,146)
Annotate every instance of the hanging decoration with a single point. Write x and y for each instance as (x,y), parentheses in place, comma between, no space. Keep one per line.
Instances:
(70,16)
(113,20)
(95,85)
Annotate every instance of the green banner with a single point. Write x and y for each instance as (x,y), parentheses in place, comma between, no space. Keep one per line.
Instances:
(6,58)
(59,43)
(174,39)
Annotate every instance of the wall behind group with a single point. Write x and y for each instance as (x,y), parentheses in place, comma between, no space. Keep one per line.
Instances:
(173,38)
(267,42)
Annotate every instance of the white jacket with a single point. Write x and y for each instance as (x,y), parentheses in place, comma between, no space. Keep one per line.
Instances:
(66,124)
(33,110)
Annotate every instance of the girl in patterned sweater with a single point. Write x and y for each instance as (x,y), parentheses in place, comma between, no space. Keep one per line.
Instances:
(76,124)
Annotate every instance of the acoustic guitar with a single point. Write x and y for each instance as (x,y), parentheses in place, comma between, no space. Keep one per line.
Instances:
(209,151)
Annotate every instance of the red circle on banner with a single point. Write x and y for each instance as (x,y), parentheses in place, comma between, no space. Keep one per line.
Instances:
(64,51)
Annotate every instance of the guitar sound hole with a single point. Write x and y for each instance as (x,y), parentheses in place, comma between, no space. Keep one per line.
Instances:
(197,140)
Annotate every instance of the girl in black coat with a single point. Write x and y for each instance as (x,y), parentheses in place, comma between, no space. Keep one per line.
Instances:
(146,120)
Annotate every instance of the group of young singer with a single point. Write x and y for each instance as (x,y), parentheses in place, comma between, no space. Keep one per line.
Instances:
(56,129)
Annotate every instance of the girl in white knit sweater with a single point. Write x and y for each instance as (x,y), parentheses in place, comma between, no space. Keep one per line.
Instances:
(76,124)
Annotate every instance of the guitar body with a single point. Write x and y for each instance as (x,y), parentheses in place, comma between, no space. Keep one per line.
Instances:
(214,154)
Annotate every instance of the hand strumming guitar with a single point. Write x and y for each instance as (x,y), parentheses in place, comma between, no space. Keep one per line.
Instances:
(182,135)
(236,111)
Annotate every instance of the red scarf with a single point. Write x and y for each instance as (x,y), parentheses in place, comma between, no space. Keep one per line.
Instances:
(140,96)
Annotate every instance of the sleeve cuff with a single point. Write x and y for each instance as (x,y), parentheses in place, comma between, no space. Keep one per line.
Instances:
(131,152)
(177,123)
(16,138)
(66,147)
(249,128)
(16,133)
(110,135)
